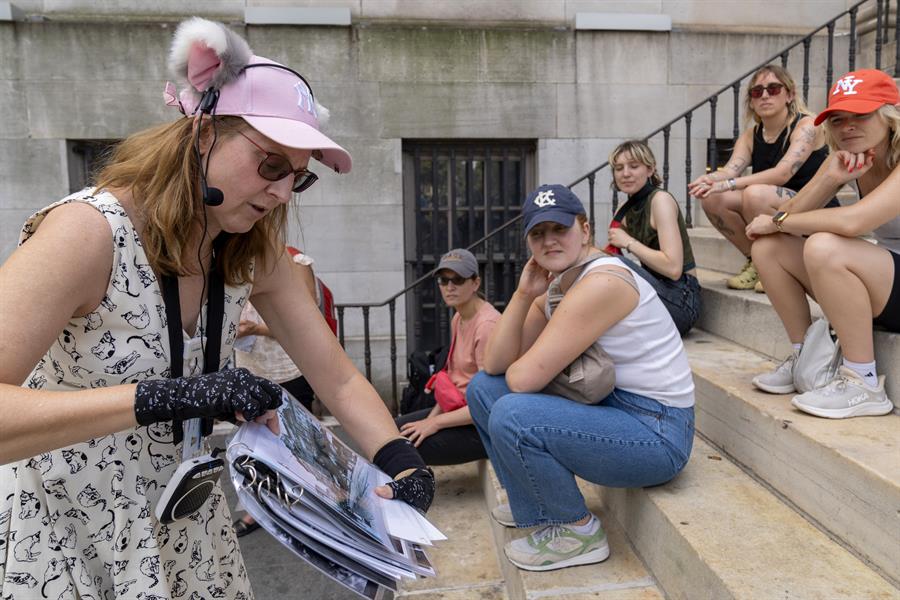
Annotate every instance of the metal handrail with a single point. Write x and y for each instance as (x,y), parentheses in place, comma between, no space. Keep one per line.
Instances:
(881,12)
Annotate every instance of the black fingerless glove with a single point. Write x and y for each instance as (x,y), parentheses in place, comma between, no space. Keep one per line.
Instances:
(417,488)
(217,395)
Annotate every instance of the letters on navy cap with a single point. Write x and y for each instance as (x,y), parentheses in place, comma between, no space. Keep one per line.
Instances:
(551,202)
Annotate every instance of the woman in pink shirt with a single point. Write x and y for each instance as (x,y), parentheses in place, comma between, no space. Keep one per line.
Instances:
(445,434)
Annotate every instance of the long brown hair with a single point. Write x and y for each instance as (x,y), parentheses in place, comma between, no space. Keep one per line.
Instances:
(160,169)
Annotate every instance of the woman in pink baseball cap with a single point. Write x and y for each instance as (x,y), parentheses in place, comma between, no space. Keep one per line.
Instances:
(856,283)
(121,305)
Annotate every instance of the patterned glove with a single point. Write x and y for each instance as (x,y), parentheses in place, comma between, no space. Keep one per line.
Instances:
(218,395)
(417,488)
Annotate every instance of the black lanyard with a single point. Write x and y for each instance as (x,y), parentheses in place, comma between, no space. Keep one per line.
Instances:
(215,314)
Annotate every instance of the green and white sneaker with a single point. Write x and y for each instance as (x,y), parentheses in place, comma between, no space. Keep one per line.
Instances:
(846,395)
(558,546)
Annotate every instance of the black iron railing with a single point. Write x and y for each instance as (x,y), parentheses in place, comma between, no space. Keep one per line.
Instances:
(865,18)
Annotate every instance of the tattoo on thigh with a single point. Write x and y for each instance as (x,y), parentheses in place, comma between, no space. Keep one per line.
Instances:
(719,223)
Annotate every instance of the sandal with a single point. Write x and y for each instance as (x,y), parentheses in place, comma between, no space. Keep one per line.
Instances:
(242,528)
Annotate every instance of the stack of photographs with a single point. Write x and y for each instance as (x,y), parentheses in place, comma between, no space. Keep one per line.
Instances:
(316,496)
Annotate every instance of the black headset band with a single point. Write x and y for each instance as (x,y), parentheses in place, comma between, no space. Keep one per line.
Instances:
(210,96)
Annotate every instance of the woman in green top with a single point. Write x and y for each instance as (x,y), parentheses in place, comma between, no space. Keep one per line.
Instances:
(650,227)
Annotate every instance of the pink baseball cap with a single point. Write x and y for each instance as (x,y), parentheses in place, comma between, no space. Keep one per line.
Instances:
(272,98)
(860,92)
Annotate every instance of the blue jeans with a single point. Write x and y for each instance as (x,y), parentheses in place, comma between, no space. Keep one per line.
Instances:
(538,443)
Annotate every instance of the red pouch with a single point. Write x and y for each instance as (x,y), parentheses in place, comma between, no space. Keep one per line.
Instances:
(446,394)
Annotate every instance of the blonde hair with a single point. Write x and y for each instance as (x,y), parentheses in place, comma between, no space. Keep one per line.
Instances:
(795,107)
(891,116)
(640,152)
(159,167)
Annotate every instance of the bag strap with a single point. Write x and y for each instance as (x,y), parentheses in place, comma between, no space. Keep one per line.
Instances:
(555,294)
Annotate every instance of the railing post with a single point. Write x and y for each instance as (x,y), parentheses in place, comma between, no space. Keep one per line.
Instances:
(806,44)
(591,179)
(367,348)
(689,221)
(489,267)
(615,198)
(736,88)
(667,131)
(713,160)
(879,7)
(829,69)
(784,59)
(392,307)
(851,59)
(340,312)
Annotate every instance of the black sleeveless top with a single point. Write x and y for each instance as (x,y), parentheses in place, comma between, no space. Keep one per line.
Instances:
(635,219)
(765,155)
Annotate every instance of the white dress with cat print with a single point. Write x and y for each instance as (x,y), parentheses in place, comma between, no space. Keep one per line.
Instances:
(78,522)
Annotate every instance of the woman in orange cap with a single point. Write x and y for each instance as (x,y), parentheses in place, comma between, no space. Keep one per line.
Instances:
(856,283)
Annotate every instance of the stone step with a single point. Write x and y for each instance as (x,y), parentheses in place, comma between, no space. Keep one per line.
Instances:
(466,563)
(715,532)
(748,319)
(712,251)
(845,474)
(620,577)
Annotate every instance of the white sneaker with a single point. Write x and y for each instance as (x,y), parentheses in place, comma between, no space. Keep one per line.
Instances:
(503,515)
(846,395)
(779,381)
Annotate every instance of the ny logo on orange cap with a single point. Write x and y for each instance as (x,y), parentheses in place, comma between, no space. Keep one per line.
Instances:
(846,84)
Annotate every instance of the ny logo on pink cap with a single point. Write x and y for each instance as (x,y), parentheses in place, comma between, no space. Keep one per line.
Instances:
(304,96)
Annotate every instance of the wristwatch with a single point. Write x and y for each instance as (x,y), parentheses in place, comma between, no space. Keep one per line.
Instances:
(779,218)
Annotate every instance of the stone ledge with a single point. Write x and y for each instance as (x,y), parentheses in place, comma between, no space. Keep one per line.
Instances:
(843,474)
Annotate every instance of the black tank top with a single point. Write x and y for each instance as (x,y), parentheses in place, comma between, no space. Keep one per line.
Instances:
(765,155)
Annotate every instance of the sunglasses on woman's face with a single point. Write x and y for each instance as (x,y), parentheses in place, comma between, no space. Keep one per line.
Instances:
(275,167)
(456,280)
(773,88)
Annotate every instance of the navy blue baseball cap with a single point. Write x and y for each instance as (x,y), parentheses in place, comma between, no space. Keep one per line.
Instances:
(551,202)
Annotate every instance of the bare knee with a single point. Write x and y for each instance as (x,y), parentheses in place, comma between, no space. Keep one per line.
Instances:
(823,251)
(766,249)
(712,205)
(757,200)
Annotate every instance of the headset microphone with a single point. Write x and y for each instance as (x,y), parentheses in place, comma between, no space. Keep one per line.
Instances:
(211,196)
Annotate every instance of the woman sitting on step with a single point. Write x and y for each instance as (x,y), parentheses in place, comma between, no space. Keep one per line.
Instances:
(445,434)
(650,226)
(640,434)
(856,283)
(783,149)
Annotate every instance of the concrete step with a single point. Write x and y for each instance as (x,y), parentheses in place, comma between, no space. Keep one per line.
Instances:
(712,251)
(714,532)
(845,475)
(466,563)
(620,577)
(748,319)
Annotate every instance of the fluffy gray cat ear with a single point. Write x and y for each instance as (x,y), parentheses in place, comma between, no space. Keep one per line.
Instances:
(206,54)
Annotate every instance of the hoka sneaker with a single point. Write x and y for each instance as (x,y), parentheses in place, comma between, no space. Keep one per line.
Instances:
(779,381)
(503,515)
(846,396)
(746,279)
(557,546)
(759,288)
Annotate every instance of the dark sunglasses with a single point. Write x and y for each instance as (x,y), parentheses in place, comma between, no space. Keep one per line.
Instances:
(275,167)
(773,88)
(456,280)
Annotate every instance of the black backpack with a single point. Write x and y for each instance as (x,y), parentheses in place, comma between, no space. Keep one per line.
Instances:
(420,366)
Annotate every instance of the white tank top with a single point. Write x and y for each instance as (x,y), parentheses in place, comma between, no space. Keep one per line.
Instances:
(646,349)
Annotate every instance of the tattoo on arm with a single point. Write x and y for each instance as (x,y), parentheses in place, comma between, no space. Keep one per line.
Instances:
(796,167)
(783,192)
(736,165)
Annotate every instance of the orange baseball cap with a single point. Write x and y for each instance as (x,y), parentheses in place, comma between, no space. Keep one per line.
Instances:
(861,92)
